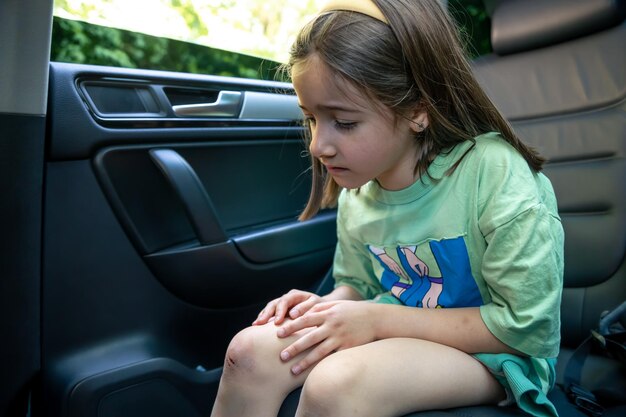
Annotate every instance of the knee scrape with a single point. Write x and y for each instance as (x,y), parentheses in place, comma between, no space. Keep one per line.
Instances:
(240,357)
(230,362)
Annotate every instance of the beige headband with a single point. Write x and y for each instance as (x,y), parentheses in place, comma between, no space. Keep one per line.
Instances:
(367,7)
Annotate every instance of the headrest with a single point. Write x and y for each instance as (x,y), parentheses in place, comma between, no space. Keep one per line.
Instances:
(520,25)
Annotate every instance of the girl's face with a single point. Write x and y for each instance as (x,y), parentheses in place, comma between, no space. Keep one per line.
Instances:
(354,139)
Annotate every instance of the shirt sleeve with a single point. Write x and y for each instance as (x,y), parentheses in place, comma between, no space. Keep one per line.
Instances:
(523,262)
(350,265)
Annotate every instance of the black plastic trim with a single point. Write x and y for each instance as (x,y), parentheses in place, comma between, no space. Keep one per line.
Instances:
(189,188)
(185,389)
(77,132)
(289,239)
(218,277)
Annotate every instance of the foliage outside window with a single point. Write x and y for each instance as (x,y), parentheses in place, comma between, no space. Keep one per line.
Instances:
(272,24)
(85,43)
(475,25)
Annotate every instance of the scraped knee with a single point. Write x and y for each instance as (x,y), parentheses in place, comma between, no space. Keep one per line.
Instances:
(249,353)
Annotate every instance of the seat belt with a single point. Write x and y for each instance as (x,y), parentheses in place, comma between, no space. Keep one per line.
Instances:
(610,337)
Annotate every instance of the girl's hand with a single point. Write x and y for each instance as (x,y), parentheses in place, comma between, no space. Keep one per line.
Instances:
(295,303)
(337,325)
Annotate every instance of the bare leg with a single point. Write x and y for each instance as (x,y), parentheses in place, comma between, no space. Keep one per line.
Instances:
(394,377)
(255,381)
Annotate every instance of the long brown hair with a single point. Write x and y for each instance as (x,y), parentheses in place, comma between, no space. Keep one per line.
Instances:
(414,60)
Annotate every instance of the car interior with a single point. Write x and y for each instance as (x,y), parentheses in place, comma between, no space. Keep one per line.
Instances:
(147,216)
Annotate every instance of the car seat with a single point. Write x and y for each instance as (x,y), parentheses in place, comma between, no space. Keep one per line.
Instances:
(558,73)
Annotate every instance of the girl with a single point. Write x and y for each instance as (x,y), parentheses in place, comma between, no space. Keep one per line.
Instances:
(448,268)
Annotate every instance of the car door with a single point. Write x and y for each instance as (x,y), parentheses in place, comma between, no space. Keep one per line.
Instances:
(166,218)
(170,219)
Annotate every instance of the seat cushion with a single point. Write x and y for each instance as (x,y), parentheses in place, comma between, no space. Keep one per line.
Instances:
(557,396)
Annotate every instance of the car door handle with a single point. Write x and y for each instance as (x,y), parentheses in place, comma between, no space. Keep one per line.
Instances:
(193,195)
(228,104)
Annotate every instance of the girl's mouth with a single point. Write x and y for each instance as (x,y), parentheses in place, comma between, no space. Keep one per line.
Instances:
(335,170)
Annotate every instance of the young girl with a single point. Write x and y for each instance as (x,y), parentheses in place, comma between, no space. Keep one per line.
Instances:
(440,207)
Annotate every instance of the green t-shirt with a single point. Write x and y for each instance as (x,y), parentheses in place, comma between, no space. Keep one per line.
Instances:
(487,235)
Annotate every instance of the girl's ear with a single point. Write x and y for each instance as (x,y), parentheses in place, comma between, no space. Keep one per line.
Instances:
(419,120)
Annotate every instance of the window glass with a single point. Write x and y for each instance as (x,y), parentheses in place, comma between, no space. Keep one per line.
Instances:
(86,43)
(241,38)
(475,25)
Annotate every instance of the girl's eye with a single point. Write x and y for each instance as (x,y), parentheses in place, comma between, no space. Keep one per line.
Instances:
(344,125)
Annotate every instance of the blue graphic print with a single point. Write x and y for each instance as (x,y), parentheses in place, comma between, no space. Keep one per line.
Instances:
(412,284)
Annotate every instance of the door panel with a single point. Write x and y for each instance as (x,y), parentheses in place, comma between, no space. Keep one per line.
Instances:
(24,55)
(165,232)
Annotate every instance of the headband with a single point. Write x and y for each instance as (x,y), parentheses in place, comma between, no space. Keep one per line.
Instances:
(366,7)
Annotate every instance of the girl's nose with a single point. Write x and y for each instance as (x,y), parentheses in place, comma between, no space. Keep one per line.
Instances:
(321,145)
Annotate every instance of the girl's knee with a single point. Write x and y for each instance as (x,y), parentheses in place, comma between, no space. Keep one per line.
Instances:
(332,385)
(248,354)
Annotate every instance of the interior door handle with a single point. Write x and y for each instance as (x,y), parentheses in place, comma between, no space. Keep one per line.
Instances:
(228,104)
(189,188)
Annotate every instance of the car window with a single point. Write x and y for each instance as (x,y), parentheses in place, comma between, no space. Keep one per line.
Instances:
(475,25)
(244,38)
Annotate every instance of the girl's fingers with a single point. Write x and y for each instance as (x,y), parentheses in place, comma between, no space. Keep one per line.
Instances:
(281,309)
(293,304)
(305,342)
(265,314)
(320,352)
(324,306)
(308,320)
(303,307)
(287,303)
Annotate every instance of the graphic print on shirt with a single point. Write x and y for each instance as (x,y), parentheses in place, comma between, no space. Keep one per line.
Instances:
(447,282)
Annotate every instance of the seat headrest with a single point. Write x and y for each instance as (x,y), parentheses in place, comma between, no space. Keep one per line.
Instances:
(520,25)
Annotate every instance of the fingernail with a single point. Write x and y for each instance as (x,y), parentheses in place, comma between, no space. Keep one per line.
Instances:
(294,313)
(296,370)
(280,332)
(284,355)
